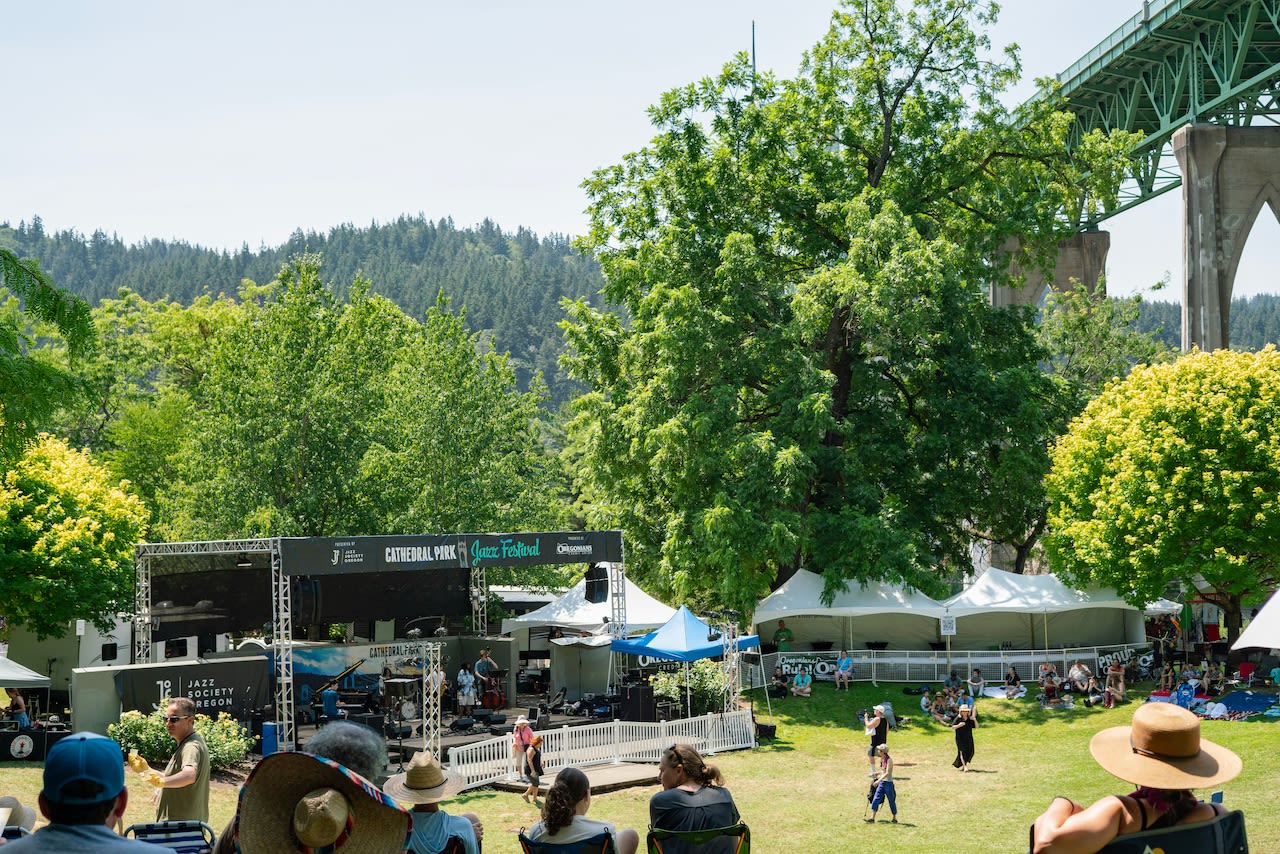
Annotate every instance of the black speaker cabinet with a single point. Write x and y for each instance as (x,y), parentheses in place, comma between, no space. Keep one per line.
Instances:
(638,704)
(597,589)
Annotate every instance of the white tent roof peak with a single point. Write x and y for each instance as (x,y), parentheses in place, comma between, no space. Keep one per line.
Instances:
(802,594)
(998,590)
(573,611)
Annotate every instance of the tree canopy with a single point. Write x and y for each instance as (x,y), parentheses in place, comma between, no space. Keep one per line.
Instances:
(67,533)
(810,372)
(1172,476)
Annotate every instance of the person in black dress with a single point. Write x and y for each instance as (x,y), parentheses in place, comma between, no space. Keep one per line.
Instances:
(964,727)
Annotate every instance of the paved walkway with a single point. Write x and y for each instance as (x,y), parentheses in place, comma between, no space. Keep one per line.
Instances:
(604,778)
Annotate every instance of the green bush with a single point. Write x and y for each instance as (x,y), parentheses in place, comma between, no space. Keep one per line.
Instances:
(706,687)
(228,741)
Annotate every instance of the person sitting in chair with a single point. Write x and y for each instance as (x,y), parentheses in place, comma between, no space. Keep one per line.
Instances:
(564,815)
(844,669)
(1078,676)
(802,684)
(424,784)
(1161,753)
(778,685)
(693,795)
(1115,681)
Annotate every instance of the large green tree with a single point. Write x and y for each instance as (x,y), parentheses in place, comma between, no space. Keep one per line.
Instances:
(1172,476)
(809,372)
(67,533)
(31,389)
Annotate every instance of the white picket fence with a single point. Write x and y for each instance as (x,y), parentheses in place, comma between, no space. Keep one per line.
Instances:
(606,743)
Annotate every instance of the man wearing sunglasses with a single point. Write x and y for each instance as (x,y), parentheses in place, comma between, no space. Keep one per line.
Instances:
(183,789)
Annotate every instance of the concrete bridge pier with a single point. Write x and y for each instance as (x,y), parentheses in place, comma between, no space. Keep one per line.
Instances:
(1228,173)
(1082,257)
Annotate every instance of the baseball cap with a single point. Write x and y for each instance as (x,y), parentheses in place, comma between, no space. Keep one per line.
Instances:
(83,756)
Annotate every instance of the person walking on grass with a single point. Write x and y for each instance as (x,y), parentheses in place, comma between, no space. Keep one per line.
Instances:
(884,787)
(533,770)
(878,728)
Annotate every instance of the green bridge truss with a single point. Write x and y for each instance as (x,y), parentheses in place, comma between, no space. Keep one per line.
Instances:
(1176,62)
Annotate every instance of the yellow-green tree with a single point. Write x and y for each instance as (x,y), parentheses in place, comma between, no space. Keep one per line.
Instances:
(1173,476)
(67,533)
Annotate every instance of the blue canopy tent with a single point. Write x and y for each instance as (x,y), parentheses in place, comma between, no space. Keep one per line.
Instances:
(682,638)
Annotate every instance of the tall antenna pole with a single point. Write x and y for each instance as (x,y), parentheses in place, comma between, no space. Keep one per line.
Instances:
(753,54)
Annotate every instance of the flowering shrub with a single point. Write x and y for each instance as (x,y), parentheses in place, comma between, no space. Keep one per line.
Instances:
(706,687)
(228,741)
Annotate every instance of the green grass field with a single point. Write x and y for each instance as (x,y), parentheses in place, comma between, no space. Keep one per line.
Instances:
(806,791)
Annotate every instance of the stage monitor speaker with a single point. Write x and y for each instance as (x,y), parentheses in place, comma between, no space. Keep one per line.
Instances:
(638,704)
(597,583)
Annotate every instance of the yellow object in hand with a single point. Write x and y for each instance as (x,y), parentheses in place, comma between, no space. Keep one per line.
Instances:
(136,762)
(156,779)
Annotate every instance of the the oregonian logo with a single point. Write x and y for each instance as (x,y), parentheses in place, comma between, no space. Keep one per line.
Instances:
(573,548)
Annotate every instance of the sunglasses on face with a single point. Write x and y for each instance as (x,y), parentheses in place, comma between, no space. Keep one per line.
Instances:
(173,719)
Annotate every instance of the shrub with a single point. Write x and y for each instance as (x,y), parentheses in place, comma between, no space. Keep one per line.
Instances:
(706,686)
(228,741)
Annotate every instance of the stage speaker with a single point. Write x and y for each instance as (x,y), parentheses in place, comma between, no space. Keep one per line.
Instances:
(462,724)
(638,704)
(305,602)
(501,729)
(597,583)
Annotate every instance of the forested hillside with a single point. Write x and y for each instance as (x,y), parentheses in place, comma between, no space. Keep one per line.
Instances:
(510,283)
(1255,322)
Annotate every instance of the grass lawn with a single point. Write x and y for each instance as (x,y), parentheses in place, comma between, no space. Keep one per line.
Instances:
(806,791)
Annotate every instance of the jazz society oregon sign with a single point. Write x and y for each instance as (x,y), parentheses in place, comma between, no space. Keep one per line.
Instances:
(232,685)
(335,555)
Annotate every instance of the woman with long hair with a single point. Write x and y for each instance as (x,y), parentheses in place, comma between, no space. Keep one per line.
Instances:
(693,795)
(564,815)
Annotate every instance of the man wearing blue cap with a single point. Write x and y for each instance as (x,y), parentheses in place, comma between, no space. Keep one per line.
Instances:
(83,797)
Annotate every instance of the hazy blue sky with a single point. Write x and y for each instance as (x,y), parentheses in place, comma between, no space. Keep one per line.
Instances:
(237,122)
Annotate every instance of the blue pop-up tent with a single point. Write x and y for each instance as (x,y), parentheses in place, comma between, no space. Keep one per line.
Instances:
(682,638)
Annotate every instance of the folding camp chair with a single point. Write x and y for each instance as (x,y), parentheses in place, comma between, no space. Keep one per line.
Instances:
(1224,835)
(184,837)
(11,832)
(601,843)
(735,839)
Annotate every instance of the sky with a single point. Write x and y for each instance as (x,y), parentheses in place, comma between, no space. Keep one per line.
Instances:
(238,122)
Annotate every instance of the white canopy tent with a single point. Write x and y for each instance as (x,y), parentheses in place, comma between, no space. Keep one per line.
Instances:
(1263,630)
(878,613)
(1039,611)
(580,665)
(1163,608)
(573,611)
(15,675)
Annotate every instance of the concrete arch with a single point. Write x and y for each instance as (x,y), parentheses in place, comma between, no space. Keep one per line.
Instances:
(1228,173)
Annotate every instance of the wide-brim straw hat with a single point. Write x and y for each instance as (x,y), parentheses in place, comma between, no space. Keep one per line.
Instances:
(1163,749)
(424,781)
(20,815)
(291,801)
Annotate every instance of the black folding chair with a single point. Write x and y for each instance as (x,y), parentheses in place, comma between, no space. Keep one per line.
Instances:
(184,837)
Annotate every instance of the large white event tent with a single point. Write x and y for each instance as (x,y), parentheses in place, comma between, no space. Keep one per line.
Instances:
(1263,630)
(876,614)
(1039,611)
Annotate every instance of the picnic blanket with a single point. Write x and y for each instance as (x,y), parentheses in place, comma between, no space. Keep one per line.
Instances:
(1246,703)
(1233,707)
(997,691)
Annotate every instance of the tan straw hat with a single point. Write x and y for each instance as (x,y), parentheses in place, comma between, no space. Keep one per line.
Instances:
(1163,750)
(296,801)
(19,815)
(424,781)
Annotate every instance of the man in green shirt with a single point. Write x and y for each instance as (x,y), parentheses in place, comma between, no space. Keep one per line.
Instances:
(183,788)
(782,636)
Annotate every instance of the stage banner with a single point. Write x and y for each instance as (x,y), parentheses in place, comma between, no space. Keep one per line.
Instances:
(340,555)
(234,685)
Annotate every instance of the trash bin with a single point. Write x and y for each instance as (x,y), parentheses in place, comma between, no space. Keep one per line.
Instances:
(269,745)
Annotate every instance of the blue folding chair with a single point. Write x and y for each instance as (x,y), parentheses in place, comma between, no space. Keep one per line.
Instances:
(184,837)
(1223,835)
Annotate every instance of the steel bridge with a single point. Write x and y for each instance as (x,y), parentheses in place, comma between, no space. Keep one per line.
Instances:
(1176,62)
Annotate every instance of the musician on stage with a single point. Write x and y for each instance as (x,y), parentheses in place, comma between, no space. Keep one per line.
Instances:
(484,671)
